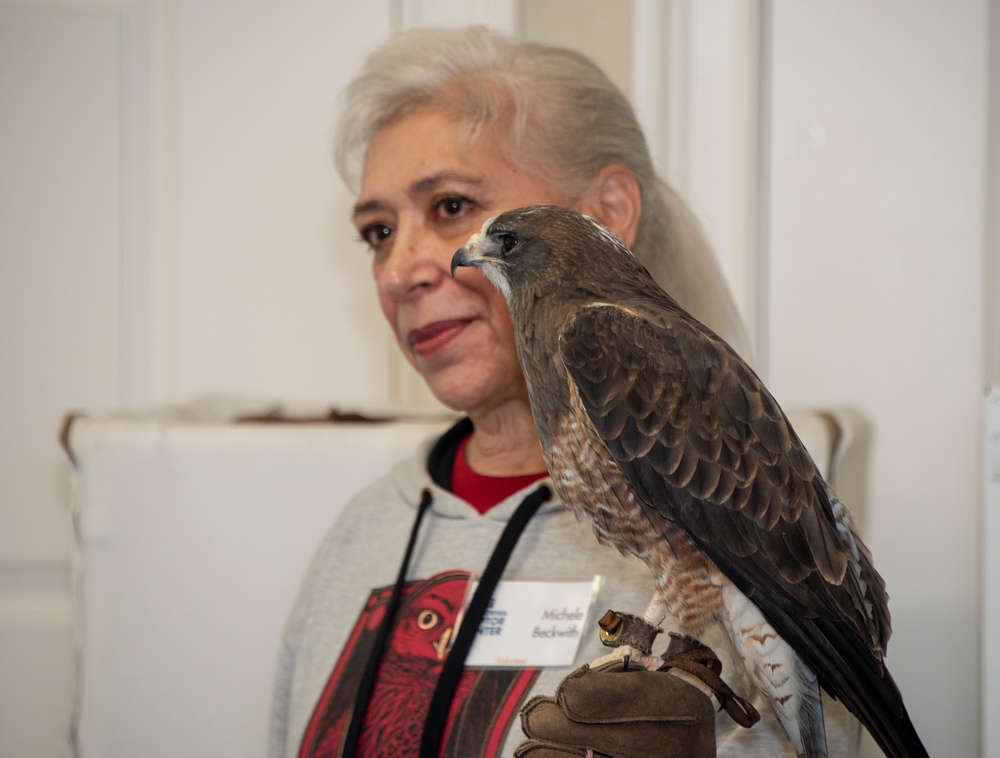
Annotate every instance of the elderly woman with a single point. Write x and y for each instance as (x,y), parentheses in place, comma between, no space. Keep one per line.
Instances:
(441,130)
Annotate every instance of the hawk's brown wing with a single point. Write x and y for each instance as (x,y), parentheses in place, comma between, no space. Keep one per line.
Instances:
(703,442)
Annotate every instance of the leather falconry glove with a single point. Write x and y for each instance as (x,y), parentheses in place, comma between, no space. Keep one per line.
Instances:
(634,713)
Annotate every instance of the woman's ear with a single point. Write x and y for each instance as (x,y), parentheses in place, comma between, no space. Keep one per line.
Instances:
(614,199)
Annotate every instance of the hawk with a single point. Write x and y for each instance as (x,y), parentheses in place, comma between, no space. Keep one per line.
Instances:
(656,432)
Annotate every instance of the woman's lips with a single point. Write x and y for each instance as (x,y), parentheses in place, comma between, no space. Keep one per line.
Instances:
(432,337)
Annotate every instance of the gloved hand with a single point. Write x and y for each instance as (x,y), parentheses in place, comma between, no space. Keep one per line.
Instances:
(633,713)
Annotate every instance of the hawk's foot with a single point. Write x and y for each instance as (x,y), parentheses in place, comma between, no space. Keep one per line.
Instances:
(631,636)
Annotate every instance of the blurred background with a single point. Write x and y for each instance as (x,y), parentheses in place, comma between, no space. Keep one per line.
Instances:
(171,227)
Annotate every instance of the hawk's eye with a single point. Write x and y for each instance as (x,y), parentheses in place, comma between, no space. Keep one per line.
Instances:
(507,242)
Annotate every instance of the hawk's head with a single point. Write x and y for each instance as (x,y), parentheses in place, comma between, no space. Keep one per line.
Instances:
(527,251)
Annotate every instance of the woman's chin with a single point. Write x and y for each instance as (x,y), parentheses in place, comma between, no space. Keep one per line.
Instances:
(464,388)
(452,391)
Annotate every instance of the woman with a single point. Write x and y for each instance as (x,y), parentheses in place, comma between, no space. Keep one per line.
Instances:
(441,130)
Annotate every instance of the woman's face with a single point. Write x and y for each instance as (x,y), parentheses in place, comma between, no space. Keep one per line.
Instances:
(421,198)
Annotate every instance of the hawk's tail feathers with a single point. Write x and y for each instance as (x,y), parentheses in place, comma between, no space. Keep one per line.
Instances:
(849,672)
(812,728)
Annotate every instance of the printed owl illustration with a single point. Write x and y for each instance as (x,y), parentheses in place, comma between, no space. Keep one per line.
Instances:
(485,703)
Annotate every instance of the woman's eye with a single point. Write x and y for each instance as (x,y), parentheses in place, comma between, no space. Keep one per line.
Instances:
(375,234)
(452,206)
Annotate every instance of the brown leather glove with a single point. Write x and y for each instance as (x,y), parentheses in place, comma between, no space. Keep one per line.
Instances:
(627,714)
(635,713)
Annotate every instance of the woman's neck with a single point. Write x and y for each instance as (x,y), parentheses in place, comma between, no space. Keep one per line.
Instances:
(505,442)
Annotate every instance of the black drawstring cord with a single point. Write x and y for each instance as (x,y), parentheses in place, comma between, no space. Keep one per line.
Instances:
(444,692)
(371,668)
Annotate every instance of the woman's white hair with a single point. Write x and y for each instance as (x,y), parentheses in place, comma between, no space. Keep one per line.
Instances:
(557,117)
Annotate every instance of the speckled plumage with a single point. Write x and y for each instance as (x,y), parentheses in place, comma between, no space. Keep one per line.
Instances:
(658,434)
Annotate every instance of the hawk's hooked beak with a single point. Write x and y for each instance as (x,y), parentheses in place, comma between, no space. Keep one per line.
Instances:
(470,254)
(481,251)
(462,257)
(477,251)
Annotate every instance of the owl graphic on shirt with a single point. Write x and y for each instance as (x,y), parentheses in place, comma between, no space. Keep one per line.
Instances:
(430,611)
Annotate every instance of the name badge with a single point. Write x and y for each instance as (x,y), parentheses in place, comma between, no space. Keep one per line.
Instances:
(534,624)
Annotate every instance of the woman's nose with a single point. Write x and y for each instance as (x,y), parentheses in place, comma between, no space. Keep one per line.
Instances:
(413,265)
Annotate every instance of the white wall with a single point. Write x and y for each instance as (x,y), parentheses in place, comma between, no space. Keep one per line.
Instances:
(877,224)
(60,300)
(265,290)
(185,233)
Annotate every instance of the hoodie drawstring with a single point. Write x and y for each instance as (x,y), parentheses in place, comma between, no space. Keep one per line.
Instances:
(454,665)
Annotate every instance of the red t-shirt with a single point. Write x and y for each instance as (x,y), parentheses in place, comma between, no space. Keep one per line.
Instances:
(483,491)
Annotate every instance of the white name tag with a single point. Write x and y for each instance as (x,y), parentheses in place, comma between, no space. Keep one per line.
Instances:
(534,624)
